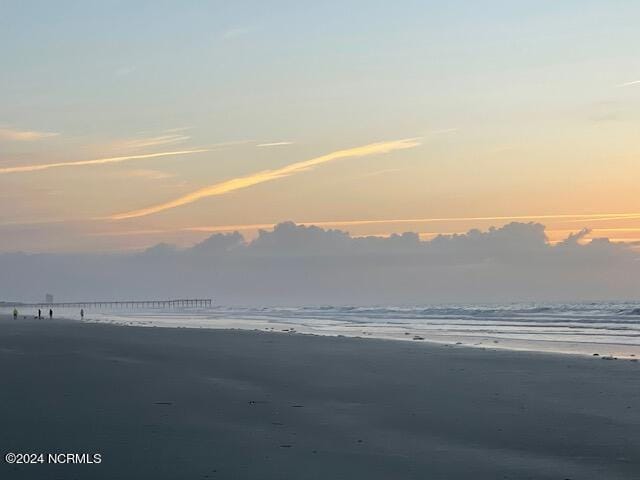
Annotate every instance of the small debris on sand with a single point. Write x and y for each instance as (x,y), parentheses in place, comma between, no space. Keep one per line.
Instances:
(418,337)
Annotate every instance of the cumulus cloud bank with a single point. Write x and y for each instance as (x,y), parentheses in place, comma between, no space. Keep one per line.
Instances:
(294,264)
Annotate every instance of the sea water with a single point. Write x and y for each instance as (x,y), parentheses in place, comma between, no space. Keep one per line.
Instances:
(606,329)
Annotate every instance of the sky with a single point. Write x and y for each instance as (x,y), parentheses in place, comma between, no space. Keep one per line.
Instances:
(126,124)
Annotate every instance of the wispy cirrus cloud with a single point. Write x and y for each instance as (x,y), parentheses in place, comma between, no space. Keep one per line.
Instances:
(442,131)
(582,217)
(381,172)
(19,135)
(149,174)
(97,161)
(629,84)
(246,181)
(274,144)
(565,218)
(157,141)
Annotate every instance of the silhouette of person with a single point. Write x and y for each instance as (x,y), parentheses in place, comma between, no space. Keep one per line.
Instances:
(82,313)
(50,313)
(15,313)
(39,314)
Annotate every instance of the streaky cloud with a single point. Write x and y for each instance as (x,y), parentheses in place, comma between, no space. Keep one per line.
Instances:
(381,172)
(97,161)
(569,217)
(149,174)
(274,144)
(442,131)
(17,135)
(246,181)
(160,140)
(629,84)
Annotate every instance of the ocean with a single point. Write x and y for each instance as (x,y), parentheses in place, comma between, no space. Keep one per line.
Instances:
(605,329)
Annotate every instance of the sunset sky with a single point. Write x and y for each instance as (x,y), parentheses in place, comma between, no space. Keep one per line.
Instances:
(125,124)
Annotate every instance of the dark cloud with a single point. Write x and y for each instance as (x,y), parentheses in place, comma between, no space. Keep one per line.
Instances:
(295,264)
(219,243)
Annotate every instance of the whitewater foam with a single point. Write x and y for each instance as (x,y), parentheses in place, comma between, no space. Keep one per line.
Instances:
(608,329)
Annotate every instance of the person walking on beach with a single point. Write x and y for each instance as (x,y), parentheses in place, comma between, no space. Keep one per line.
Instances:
(15,313)
(50,313)
(39,314)
(82,314)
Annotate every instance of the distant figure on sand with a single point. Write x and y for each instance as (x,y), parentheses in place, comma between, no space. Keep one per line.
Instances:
(39,314)
(15,313)
(50,313)
(82,313)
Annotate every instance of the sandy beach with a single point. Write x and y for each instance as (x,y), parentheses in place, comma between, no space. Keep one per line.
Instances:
(165,403)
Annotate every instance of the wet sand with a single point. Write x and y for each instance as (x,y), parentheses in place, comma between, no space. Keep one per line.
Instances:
(164,403)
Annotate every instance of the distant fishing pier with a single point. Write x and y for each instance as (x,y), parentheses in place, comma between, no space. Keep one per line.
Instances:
(128,304)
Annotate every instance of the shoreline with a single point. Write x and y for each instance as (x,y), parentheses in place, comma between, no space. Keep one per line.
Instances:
(605,330)
(608,351)
(604,351)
